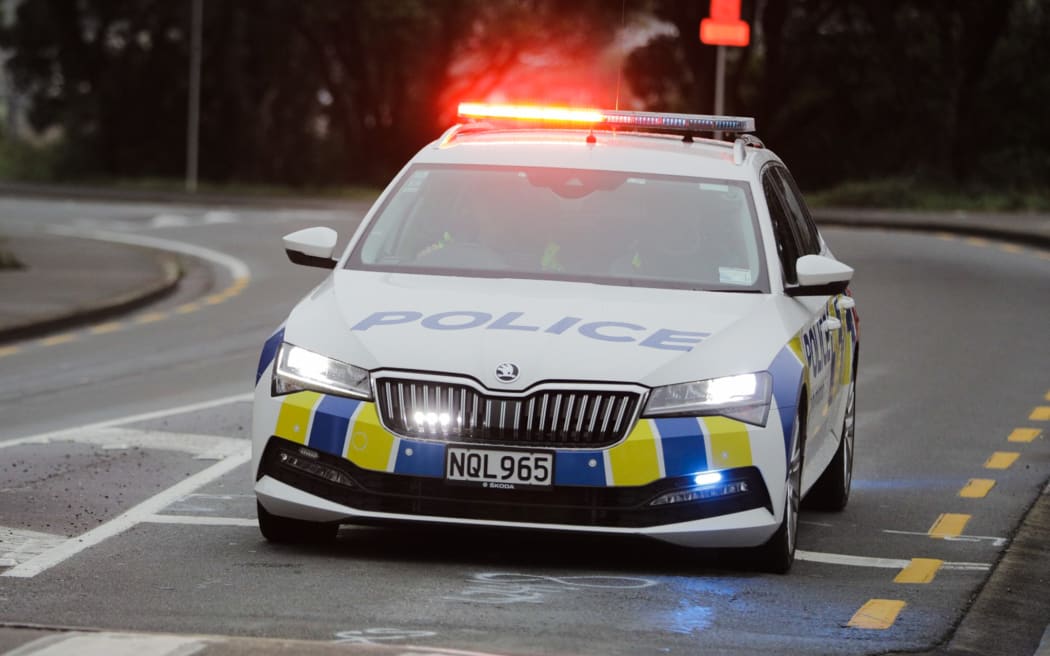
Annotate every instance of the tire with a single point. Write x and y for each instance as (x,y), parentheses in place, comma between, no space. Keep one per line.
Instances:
(831,491)
(285,530)
(778,554)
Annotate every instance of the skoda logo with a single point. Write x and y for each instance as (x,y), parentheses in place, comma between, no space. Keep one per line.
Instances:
(507,372)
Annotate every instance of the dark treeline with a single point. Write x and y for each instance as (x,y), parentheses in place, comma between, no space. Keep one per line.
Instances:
(320,92)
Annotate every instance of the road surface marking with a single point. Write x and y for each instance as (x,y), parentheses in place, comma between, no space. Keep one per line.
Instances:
(202,520)
(881,563)
(996,541)
(129,518)
(1040,413)
(977,241)
(977,488)
(103,328)
(62,435)
(1001,460)
(187,308)
(877,614)
(19,545)
(9,350)
(1047,396)
(110,644)
(919,570)
(151,317)
(949,525)
(64,338)
(1024,434)
(1011,248)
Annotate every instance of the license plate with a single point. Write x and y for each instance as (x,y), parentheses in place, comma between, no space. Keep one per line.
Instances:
(498,468)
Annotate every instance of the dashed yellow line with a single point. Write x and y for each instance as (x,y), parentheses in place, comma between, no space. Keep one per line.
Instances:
(187,308)
(1011,248)
(1047,396)
(104,328)
(1024,434)
(152,317)
(977,241)
(977,488)
(1001,460)
(949,525)
(877,614)
(1040,413)
(9,350)
(919,570)
(64,338)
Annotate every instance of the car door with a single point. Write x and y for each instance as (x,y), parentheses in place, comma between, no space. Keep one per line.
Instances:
(797,236)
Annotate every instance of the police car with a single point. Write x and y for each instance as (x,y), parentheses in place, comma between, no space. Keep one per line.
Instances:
(567,320)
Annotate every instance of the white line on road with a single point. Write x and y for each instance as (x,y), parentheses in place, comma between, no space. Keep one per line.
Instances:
(65,433)
(237,268)
(996,541)
(129,518)
(195,520)
(110,644)
(884,563)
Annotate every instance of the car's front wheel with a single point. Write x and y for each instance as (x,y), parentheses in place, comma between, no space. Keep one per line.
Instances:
(778,554)
(831,491)
(286,530)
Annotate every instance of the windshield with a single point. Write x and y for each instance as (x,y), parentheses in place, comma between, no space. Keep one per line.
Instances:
(580,225)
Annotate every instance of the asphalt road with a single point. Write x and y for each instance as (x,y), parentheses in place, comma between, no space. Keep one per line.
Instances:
(132,440)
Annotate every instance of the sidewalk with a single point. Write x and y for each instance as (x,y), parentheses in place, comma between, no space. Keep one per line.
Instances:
(69,281)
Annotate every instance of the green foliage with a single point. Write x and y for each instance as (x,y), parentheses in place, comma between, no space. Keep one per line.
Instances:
(907,193)
(321,93)
(23,162)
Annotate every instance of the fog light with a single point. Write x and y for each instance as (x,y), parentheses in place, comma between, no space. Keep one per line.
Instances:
(700,493)
(306,461)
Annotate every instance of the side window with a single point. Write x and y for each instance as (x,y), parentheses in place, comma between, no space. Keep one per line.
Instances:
(787,243)
(799,213)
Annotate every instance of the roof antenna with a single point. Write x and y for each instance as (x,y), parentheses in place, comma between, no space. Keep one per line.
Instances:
(619,73)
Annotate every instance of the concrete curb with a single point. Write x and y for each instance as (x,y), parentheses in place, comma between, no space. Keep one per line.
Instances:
(103,308)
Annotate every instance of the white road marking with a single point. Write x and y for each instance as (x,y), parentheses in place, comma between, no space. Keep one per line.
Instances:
(194,520)
(63,435)
(18,545)
(237,268)
(110,644)
(129,518)
(883,563)
(996,541)
(202,447)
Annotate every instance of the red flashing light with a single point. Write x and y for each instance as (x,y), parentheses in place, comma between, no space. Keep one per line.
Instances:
(531,113)
(725,34)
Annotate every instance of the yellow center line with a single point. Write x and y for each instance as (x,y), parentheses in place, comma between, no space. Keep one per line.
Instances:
(9,350)
(103,328)
(1040,413)
(919,570)
(947,235)
(1024,434)
(877,614)
(214,299)
(152,317)
(1001,460)
(948,525)
(1047,397)
(187,308)
(977,241)
(64,338)
(1011,248)
(977,488)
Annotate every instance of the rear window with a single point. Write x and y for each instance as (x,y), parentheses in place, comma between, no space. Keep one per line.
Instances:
(566,224)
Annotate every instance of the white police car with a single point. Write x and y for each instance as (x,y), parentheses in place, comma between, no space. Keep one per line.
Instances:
(569,320)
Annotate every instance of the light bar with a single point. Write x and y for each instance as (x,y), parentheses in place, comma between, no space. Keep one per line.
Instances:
(608,118)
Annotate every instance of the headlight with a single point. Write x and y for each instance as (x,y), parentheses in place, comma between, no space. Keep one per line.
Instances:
(298,369)
(745,397)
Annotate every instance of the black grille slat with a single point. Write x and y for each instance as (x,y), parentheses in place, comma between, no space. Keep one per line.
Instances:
(459,413)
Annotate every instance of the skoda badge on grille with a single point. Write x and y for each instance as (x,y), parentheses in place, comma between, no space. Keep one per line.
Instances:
(507,372)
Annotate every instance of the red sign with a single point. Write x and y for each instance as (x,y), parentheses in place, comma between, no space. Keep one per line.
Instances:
(724,27)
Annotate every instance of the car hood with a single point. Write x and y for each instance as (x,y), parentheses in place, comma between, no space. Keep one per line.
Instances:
(551,330)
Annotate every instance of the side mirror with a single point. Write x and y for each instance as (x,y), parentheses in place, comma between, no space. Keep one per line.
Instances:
(820,276)
(312,247)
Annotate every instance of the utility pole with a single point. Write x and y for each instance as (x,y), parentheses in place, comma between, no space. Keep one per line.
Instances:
(194,106)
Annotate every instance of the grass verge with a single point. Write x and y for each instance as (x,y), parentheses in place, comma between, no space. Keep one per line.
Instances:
(909,194)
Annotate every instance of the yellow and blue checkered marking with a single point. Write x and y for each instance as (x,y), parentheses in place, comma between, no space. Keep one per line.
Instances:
(655,448)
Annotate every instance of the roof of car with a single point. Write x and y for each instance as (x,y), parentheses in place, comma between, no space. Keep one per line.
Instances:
(617,151)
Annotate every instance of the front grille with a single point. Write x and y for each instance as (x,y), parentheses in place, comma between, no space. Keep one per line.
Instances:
(456,412)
